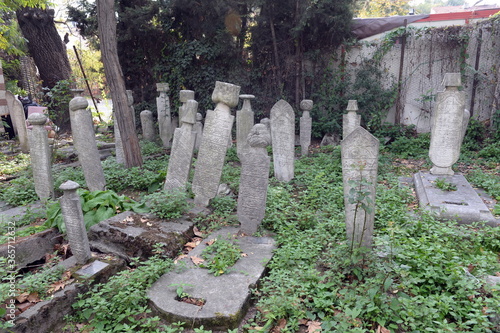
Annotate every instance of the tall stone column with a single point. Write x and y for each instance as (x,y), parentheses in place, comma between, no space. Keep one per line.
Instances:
(164,116)
(184,96)
(305,126)
(351,120)
(198,128)
(147,125)
(41,158)
(244,123)
(85,144)
(214,146)
(447,126)
(283,140)
(71,210)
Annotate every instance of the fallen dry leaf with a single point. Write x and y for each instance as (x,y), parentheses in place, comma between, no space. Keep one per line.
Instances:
(22,297)
(190,244)
(182,256)
(144,219)
(196,260)
(313,326)
(382,329)
(303,321)
(497,273)
(127,220)
(66,276)
(244,255)
(33,298)
(197,232)
(210,242)
(281,325)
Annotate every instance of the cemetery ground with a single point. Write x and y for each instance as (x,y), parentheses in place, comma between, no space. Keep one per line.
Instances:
(422,275)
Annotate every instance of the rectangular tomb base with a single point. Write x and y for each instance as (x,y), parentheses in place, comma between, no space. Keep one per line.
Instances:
(463,205)
(227,297)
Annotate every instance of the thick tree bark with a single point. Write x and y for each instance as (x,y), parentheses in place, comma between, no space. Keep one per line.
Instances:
(114,76)
(48,52)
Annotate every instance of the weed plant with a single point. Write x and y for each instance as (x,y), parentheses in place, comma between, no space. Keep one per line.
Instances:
(220,256)
(167,204)
(20,191)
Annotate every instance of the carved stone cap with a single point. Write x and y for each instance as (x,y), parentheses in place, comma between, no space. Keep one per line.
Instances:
(78,103)
(190,112)
(69,185)
(199,117)
(259,136)
(146,112)
(162,87)
(306,105)
(186,95)
(246,96)
(37,118)
(352,105)
(226,93)
(452,80)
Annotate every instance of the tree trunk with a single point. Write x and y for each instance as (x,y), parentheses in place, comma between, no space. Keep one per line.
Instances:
(48,52)
(114,76)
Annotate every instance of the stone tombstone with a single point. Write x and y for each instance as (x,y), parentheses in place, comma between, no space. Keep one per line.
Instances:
(85,143)
(72,214)
(41,158)
(283,139)
(198,128)
(147,125)
(244,123)
(184,96)
(359,172)
(119,152)
(130,102)
(351,120)
(16,111)
(218,124)
(267,122)
(164,115)
(306,106)
(254,180)
(447,126)
(182,149)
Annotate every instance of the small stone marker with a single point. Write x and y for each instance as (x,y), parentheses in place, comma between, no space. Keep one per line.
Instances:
(213,148)
(41,158)
(85,143)
(182,150)
(359,172)
(283,139)
(71,209)
(447,126)
(119,152)
(184,96)
(244,123)
(254,179)
(305,126)
(130,102)
(198,128)
(164,116)
(351,120)
(147,125)
(16,111)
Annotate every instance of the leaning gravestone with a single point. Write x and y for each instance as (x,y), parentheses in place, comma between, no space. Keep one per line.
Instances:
(85,143)
(147,125)
(41,158)
(254,180)
(244,123)
(182,150)
(351,120)
(305,126)
(447,126)
(198,128)
(72,214)
(359,172)
(18,117)
(283,140)
(218,124)
(164,116)
(184,96)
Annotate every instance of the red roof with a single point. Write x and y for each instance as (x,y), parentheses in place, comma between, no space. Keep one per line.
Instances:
(475,14)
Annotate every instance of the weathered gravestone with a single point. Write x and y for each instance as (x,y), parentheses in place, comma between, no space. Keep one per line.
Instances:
(164,116)
(16,111)
(85,143)
(130,102)
(254,180)
(267,122)
(359,172)
(198,129)
(147,125)
(244,123)
(72,213)
(182,150)
(218,124)
(41,158)
(306,106)
(184,96)
(351,120)
(283,140)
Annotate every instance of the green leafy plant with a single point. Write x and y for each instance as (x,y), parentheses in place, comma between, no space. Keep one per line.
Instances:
(443,184)
(220,256)
(223,205)
(20,191)
(167,204)
(179,290)
(96,206)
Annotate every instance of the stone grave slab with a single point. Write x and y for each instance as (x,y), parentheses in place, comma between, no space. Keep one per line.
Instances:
(463,205)
(128,235)
(227,296)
